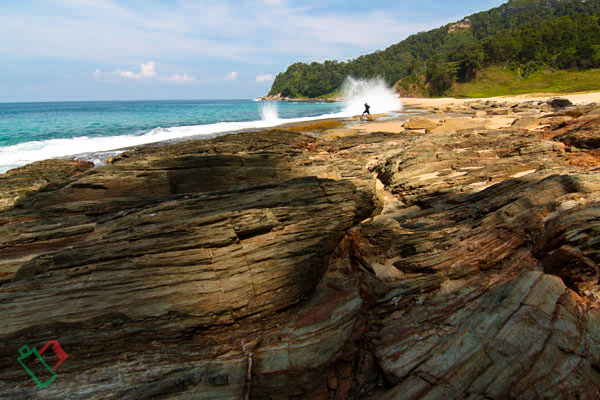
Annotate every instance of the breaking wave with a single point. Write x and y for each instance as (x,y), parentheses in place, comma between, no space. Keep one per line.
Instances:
(375,92)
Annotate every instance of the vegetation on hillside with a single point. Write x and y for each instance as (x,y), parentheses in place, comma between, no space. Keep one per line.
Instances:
(497,81)
(523,36)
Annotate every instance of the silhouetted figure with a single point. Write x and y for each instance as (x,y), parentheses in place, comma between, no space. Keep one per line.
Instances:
(367,108)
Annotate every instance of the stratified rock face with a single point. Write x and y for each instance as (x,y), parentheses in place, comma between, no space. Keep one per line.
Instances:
(475,312)
(19,181)
(154,274)
(445,164)
(438,266)
(497,294)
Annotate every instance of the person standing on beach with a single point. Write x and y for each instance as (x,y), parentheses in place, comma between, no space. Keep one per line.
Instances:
(367,107)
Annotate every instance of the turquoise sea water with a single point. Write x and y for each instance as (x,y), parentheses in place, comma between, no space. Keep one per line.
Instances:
(35,131)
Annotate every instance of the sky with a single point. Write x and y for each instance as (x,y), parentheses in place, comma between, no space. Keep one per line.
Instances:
(77,50)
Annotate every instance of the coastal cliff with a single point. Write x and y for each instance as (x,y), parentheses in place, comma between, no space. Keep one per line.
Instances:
(459,263)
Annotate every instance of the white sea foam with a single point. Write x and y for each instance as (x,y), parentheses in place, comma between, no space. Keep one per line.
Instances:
(28,152)
(380,97)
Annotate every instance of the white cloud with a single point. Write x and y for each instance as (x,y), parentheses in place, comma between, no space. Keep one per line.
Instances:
(204,39)
(232,76)
(181,78)
(264,78)
(147,71)
(109,31)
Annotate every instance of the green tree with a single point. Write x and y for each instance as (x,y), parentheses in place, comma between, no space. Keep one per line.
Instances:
(440,76)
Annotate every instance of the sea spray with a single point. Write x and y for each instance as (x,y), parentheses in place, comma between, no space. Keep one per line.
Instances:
(268,111)
(374,91)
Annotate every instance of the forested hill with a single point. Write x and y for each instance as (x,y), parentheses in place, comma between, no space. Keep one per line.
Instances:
(522,34)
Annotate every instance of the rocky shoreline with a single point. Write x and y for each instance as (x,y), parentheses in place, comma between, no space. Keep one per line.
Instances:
(449,261)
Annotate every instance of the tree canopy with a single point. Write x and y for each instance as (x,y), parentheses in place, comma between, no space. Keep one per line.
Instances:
(524,34)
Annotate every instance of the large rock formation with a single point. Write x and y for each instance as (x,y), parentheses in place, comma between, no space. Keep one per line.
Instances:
(274,265)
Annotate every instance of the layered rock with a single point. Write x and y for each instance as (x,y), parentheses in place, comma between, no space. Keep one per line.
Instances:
(269,265)
(17,182)
(160,274)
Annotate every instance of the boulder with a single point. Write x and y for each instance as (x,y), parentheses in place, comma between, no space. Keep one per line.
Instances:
(559,102)
(176,267)
(418,122)
(478,105)
(525,123)
(460,109)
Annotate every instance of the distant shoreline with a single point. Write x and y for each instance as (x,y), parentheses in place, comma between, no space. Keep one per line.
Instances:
(294,99)
(426,104)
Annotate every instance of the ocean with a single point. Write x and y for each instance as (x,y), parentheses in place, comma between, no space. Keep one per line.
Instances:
(96,130)
(36,131)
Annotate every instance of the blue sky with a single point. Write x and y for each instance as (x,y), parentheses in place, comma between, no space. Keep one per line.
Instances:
(65,50)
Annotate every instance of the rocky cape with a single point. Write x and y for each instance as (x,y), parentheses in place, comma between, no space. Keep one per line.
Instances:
(454,264)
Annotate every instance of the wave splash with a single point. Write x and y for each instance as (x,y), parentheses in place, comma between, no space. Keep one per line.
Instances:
(380,97)
(375,92)
(268,111)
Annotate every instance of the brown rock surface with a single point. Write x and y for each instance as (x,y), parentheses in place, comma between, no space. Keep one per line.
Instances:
(17,182)
(584,135)
(459,124)
(418,122)
(525,123)
(442,266)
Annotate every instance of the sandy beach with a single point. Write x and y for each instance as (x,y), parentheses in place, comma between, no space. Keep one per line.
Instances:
(581,98)
(493,121)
